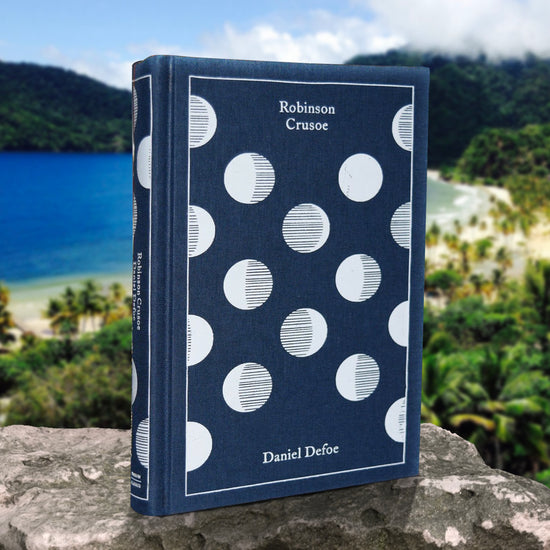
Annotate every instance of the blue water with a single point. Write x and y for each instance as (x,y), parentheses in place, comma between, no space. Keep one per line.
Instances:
(64,214)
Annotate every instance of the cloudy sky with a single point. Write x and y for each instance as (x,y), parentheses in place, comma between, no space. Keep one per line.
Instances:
(102,38)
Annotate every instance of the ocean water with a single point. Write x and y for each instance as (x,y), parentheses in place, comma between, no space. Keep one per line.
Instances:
(68,216)
(64,215)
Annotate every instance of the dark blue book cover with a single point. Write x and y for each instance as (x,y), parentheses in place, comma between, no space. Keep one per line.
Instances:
(279,214)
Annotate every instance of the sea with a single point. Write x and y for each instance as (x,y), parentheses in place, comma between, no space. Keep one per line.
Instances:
(67,217)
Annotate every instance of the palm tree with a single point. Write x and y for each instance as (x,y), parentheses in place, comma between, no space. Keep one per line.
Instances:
(90,301)
(64,313)
(6,319)
(537,288)
(507,413)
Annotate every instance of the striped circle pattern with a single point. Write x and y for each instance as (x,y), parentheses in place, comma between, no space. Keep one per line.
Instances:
(358,277)
(357,377)
(400,225)
(201,231)
(248,284)
(303,332)
(249,178)
(247,387)
(402,127)
(306,228)
(134,107)
(395,421)
(142,442)
(202,121)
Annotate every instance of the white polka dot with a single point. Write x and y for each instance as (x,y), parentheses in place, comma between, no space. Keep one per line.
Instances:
(202,121)
(198,446)
(249,178)
(143,162)
(395,422)
(306,228)
(247,387)
(360,177)
(358,278)
(398,324)
(200,339)
(201,231)
(303,332)
(357,377)
(134,382)
(248,284)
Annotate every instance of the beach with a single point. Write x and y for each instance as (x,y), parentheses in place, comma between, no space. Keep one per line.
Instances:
(535,245)
(29,299)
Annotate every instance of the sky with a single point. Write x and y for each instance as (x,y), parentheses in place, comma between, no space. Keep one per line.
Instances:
(102,38)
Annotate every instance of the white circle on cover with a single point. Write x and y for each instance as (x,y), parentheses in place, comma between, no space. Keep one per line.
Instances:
(134,214)
(398,324)
(248,284)
(357,377)
(134,107)
(201,231)
(306,228)
(249,178)
(358,277)
(134,382)
(143,162)
(142,442)
(360,177)
(247,387)
(303,332)
(198,446)
(202,121)
(395,422)
(200,339)
(400,225)
(402,127)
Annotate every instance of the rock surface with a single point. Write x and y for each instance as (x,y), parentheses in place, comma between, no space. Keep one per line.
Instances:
(67,489)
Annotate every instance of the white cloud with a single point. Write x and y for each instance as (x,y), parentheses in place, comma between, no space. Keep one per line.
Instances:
(322,37)
(499,28)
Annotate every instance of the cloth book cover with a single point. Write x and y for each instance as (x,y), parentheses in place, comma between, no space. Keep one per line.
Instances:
(279,222)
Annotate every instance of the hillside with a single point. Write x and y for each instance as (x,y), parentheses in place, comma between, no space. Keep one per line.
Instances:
(51,109)
(467,96)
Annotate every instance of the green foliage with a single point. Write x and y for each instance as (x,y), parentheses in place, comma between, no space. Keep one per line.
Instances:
(6,320)
(51,109)
(90,387)
(468,95)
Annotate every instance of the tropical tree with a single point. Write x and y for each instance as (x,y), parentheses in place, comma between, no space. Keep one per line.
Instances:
(537,288)
(90,302)
(6,319)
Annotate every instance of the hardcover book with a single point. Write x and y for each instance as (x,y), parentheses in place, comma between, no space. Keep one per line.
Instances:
(279,221)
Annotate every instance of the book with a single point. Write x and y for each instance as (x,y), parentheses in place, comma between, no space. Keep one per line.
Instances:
(279,225)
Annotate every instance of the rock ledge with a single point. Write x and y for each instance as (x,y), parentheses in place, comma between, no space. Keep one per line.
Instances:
(65,489)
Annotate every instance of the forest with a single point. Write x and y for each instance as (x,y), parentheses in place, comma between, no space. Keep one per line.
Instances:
(52,109)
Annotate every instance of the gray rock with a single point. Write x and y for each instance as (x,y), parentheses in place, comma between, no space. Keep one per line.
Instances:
(64,489)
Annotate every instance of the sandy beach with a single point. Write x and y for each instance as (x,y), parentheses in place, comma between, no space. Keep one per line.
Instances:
(535,245)
(29,300)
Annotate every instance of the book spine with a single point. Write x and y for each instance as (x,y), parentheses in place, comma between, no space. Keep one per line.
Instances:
(142,121)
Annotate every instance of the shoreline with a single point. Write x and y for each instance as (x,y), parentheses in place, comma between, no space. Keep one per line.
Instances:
(535,245)
(28,299)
